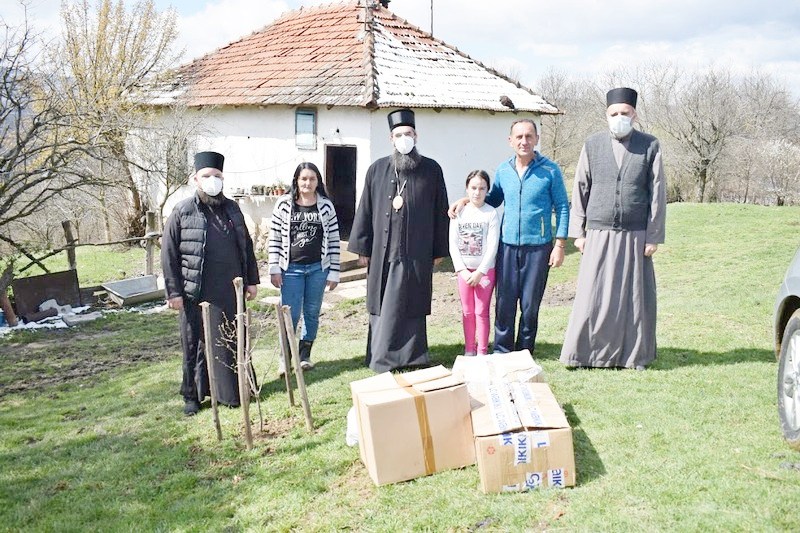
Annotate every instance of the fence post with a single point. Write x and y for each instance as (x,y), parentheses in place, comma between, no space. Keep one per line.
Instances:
(67,225)
(150,243)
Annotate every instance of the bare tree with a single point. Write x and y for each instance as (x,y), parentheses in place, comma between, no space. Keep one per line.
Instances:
(40,152)
(563,135)
(160,151)
(701,113)
(781,166)
(111,53)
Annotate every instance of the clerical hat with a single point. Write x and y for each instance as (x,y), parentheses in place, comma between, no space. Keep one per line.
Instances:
(401,117)
(208,160)
(621,95)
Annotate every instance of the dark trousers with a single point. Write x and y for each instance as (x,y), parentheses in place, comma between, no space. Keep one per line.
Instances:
(195,385)
(521,277)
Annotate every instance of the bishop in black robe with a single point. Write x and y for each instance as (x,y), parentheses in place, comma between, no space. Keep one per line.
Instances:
(401,240)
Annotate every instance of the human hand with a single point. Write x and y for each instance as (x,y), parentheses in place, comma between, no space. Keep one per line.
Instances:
(556,257)
(580,243)
(474,278)
(332,285)
(456,207)
(363,260)
(650,249)
(437,261)
(276,280)
(175,303)
(251,291)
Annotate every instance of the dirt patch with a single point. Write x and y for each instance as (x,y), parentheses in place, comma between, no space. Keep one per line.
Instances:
(273,428)
(446,304)
(76,355)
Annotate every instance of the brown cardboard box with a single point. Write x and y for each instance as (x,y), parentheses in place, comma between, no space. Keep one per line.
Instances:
(512,366)
(522,438)
(413,424)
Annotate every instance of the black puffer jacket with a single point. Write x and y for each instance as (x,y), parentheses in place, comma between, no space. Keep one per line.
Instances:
(183,244)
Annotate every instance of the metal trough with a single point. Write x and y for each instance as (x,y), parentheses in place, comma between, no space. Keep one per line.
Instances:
(134,290)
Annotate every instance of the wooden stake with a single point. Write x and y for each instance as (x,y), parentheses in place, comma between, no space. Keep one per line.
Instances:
(8,311)
(150,243)
(241,364)
(73,263)
(298,370)
(212,378)
(251,372)
(285,354)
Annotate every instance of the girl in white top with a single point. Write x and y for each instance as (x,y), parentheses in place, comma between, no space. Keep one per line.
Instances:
(474,235)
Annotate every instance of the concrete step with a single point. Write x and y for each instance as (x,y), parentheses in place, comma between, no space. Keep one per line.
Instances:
(347,260)
(353,274)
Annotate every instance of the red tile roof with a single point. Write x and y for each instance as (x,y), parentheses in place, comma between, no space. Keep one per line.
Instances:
(348,55)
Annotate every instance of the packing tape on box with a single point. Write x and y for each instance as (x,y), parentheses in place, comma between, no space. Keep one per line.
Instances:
(500,407)
(422,420)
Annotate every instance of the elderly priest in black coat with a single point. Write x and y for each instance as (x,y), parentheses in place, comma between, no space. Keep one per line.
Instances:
(205,246)
(400,231)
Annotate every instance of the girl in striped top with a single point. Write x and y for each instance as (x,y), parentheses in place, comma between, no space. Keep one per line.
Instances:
(304,252)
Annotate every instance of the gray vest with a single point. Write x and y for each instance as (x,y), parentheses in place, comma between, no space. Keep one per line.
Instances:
(620,197)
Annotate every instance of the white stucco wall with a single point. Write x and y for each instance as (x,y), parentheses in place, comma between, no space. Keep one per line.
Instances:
(460,141)
(259,147)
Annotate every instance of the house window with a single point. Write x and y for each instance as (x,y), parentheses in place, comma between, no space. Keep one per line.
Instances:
(305,129)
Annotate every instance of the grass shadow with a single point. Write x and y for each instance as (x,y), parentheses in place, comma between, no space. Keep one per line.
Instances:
(323,370)
(588,464)
(670,358)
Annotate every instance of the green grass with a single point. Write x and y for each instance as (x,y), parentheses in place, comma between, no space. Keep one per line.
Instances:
(692,444)
(99,264)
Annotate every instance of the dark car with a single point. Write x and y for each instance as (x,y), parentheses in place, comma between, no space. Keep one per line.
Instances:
(787,348)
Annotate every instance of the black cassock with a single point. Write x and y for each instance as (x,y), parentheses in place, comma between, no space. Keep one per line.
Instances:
(222,262)
(402,245)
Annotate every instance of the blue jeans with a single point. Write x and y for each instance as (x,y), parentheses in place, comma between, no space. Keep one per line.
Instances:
(302,290)
(521,278)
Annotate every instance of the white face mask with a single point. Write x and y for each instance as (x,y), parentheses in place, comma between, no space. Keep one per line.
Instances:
(620,125)
(211,185)
(404,144)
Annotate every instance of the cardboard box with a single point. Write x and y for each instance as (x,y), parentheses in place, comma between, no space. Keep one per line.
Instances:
(496,367)
(522,438)
(413,424)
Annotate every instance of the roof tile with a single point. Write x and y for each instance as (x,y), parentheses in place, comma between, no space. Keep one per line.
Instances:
(321,56)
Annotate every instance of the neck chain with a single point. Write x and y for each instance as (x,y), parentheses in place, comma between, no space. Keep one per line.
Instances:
(397,201)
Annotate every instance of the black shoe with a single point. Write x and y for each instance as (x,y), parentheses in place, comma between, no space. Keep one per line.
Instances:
(191,407)
(305,355)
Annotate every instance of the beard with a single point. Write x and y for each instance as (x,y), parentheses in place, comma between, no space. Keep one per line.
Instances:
(406,162)
(211,201)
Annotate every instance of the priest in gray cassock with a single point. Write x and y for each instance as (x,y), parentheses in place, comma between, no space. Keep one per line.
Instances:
(400,231)
(617,220)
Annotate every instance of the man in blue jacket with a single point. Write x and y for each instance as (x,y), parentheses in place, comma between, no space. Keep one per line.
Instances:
(531,187)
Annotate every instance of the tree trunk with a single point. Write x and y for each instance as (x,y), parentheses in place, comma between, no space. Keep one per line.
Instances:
(137,214)
(106,217)
(702,179)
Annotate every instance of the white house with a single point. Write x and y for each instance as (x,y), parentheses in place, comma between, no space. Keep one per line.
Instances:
(316,85)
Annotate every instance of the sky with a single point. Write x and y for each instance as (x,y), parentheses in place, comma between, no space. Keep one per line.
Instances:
(526,38)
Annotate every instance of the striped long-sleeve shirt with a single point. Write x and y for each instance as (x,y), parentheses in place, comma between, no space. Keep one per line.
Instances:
(279,244)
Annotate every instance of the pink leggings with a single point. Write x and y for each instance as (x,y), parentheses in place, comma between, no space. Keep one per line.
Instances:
(475,311)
